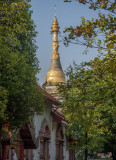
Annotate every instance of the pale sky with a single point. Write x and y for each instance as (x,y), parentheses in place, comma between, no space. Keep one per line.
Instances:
(68,14)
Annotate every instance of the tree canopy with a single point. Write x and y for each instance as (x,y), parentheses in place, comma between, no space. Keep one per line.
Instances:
(89,101)
(20,97)
(89,106)
(98,32)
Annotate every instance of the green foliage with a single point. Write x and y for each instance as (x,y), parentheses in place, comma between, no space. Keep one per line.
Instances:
(20,97)
(89,95)
(89,103)
(96,33)
(3,103)
(100,4)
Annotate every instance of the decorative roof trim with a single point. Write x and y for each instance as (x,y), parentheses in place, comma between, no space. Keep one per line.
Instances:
(50,99)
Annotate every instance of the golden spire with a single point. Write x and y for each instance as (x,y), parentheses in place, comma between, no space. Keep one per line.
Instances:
(55,27)
(55,75)
(55,10)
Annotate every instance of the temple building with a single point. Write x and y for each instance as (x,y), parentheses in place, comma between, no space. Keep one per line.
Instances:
(43,138)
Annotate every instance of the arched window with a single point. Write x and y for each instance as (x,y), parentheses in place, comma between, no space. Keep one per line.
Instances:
(28,154)
(11,155)
(44,136)
(71,155)
(59,142)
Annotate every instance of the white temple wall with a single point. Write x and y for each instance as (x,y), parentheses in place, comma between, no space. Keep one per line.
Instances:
(39,118)
(37,123)
(53,127)
(53,140)
(64,149)
(66,152)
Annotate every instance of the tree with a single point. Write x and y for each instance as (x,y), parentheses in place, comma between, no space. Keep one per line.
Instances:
(89,106)
(87,116)
(93,90)
(20,97)
(97,33)
(104,69)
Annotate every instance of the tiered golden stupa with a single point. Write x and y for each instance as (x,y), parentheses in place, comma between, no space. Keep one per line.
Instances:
(55,75)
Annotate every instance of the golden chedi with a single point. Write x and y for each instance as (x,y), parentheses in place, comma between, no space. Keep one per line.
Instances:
(55,75)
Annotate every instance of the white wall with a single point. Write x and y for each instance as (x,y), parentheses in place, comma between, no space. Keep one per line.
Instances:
(52,126)
(37,123)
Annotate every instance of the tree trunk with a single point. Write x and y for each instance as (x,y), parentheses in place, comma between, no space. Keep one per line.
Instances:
(86,151)
(114,155)
(85,154)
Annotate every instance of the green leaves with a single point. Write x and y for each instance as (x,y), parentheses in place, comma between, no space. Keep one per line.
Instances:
(95,33)
(18,64)
(89,95)
(89,102)
(3,103)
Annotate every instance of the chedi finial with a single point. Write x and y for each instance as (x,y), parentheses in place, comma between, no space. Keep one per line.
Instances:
(55,27)
(55,10)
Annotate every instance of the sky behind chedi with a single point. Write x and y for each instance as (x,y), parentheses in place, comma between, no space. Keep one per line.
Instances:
(68,14)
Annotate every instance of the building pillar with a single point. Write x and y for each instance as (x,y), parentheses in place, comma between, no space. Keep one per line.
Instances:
(22,151)
(41,148)
(4,152)
(48,149)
